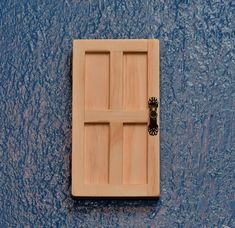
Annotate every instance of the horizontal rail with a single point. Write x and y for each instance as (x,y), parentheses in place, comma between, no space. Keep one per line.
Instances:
(107,116)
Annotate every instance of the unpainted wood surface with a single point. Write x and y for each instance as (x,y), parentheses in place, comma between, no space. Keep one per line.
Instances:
(113,154)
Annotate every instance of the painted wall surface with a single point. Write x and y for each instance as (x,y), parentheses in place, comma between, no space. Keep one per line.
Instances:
(197,111)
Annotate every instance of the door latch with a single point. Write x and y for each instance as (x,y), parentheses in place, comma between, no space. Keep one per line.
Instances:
(153,126)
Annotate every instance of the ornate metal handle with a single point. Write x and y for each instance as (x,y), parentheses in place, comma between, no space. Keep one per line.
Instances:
(153,126)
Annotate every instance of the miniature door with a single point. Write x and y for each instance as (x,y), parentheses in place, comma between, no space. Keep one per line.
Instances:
(113,152)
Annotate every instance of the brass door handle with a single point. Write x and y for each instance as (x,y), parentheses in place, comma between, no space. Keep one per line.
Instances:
(153,126)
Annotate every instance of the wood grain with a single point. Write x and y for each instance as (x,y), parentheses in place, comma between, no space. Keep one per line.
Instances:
(97,80)
(106,116)
(96,153)
(135,81)
(154,141)
(116,153)
(78,120)
(113,154)
(116,125)
(135,154)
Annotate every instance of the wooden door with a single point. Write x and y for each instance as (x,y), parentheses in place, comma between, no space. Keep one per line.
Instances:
(113,154)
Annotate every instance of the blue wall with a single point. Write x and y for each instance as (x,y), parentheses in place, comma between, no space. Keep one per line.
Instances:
(197,111)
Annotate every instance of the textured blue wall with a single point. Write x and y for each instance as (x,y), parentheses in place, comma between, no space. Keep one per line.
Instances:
(197,114)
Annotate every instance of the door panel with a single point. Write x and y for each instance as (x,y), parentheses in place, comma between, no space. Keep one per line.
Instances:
(97,80)
(112,152)
(96,153)
(135,80)
(135,153)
